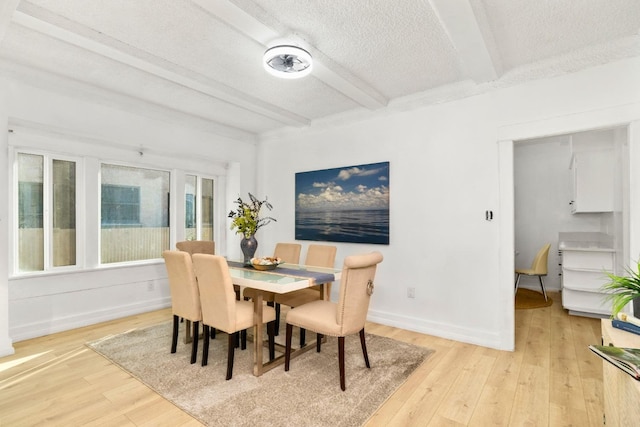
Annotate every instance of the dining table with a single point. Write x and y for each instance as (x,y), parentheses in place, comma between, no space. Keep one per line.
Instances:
(282,279)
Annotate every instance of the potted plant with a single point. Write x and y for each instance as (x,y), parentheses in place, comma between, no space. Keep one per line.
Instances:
(623,289)
(246,220)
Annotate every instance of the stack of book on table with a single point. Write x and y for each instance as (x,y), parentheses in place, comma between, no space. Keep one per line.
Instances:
(626,323)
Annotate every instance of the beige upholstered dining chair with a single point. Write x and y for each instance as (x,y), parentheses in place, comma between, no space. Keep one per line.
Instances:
(185,298)
(318,256)
(202,247)
(221,310)
(287,252)
(197,246)
(346,317)
(538,268)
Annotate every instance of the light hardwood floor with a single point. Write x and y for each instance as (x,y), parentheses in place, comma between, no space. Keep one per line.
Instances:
(552,379)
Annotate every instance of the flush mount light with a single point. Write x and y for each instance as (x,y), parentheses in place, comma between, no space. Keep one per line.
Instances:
(287,62)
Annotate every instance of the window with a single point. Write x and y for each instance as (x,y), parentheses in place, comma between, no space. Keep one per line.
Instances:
(198,216)
(207,209)
(120,214)
(134,214)
(190,218)
(46,189)
(30,203)
(120,205)
(64,213)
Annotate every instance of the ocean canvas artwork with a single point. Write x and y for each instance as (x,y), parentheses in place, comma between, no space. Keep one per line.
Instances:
(349,204)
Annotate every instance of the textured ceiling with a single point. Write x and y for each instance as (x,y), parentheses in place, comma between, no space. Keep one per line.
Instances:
(200,60)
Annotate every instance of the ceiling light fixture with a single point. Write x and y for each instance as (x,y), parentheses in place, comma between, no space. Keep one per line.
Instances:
(287,62)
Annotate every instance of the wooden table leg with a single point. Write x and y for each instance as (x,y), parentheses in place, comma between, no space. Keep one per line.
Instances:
(257,334)
(326,289)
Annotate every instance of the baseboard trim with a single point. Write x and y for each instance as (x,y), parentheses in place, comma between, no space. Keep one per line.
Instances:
(61,324)
(6,347)
(438,329)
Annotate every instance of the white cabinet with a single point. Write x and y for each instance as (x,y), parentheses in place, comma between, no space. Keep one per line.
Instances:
(593,181)
(584,271)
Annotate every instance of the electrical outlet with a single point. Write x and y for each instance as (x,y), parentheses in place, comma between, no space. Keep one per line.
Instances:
(411,292)
(150,285)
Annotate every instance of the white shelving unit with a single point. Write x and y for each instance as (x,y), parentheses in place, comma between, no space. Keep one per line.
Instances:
(586,260)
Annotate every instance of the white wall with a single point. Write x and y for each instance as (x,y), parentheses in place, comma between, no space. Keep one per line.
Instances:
(47,120)
(444,174)
(426,220)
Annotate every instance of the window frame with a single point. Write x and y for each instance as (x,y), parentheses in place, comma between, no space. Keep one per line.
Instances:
(170,220)
(47,211)
(199,205)
(88,202)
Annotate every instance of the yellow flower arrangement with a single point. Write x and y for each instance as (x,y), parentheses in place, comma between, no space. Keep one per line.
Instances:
(246,217)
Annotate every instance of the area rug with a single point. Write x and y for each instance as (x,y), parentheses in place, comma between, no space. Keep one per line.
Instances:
(527,298)
(308,395)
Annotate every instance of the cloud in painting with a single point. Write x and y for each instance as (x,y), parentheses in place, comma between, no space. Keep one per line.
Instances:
(346,174)
(335,198)
(363,187)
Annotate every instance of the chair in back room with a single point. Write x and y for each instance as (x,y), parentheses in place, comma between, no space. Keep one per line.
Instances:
(538,268)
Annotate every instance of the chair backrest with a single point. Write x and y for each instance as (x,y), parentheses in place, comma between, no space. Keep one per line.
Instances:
(356,287)
(539,265)
(216,291)
(288,252)
(197,246)
(185,297)
(321,256)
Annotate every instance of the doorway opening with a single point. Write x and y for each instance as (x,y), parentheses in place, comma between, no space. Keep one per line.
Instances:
(509,137)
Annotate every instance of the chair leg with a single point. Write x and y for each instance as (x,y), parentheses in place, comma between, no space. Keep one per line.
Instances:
(542,286)
(232,346)
(213,333)
(364,348)
(271,329)
(517,282)
(341,362)
(243,339)
(205,346)
(318,342)
(174,337)
(194,343)
(277,308)
(303,338)
(287,346)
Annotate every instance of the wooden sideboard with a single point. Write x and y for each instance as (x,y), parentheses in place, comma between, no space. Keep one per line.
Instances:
(621,392)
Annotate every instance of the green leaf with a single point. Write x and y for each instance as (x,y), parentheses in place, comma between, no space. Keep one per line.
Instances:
(621,290)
